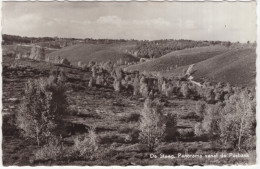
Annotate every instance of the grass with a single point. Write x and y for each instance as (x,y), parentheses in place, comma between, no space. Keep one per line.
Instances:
(236,67)
(95,52)
(179,58)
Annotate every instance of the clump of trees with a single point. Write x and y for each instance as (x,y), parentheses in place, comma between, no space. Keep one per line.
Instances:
(239,119)
(158,48)
(40,113)
(154,126)
(232,122)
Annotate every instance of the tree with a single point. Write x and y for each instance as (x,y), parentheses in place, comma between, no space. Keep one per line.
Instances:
(185,90)
(210,95)
(91,82)
(160,82)
(144,87)
(117,85)
(40,114)
(210,121)
(152,125)
(136,86)
(238,122)
(169,90)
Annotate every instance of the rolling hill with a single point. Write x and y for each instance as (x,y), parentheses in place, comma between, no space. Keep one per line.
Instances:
(179,58)
(238,67)
(95,52)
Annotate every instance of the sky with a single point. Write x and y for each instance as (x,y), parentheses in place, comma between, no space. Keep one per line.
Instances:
(225,21)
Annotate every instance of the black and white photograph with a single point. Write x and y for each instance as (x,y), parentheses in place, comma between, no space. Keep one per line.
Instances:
(96,83)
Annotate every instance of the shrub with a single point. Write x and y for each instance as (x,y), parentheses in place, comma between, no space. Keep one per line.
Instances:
(171,129)
(169,91)
(119,74)
(54,150)
(91,64)
(94,71)
(200,110)
(144,87)
(210,95)
(87,145)
(108,66)
(99,80)
(152,127)
(62,77)
(185,90)
(144,90)
(91,82)
(40,114)
(164,88)
(133,117)
(117,85)
(160,82)
(219,95)
(80,64)
(136,86)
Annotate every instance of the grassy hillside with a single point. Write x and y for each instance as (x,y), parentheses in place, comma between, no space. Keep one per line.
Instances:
(180,58)
(237,66)
(95,52)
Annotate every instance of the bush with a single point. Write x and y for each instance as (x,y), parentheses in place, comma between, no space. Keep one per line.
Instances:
(171,129)
(160,82)
(118,74)
(144,87)
(94,71)
(108,66)
(40,114)
(209,95)
(54,150)
(185,90)
(136,86)
(100,80)
(62,77)
(91,82)
(133,117)
(117,85)
(87,145)
(152,126)
(200,110)
(169,91)
(164,88)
